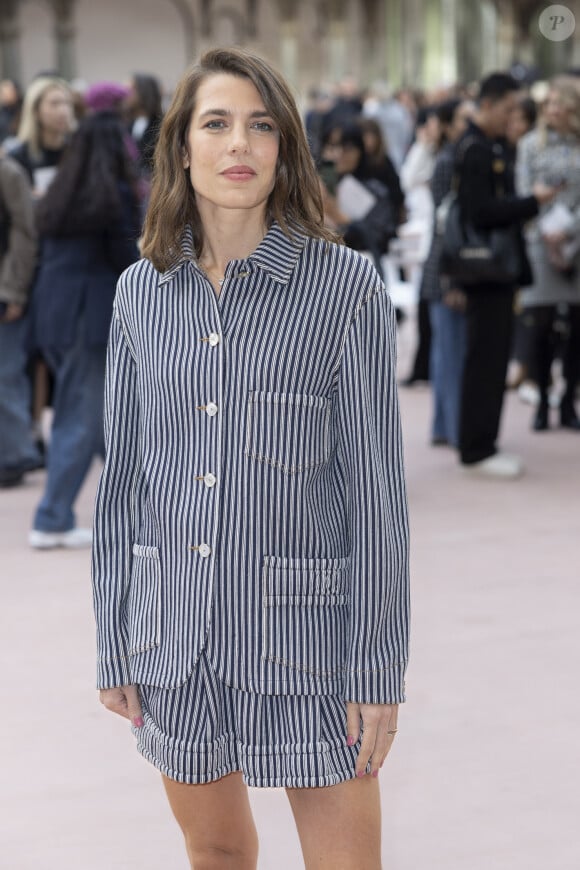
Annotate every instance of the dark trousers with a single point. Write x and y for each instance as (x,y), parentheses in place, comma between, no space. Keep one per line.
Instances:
(543,346)
(489,317)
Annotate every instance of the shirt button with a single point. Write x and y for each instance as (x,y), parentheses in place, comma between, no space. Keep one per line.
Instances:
(210,479)
(213,339)
(211,409)
(204,550)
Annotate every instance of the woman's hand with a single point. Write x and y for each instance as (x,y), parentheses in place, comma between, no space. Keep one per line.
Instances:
(12,313)
(555,238)
(379,725)
(123,700)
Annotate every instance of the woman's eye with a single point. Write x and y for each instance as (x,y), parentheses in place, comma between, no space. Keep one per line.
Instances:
(264,126)
(216,124)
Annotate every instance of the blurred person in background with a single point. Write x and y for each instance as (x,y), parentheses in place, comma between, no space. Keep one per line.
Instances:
(144,108)
(10,108)
(362,209)
(416,175)
(18,453)
(381,165)
(88,225)
(320,102)
(395,120)
(522,120)
(46,123)
(550,155)
(446,303)
(487,199)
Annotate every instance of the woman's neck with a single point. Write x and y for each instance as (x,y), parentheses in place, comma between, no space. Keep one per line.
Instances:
(230,235)
(52,140)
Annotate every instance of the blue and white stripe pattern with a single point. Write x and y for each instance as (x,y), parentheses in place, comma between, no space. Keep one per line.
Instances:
(252,502)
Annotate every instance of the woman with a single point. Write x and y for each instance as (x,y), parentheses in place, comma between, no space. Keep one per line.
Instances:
(551,154)
(416,175)
(362,209)
(446,304)
(145,110)
(381,164)
(250,555)
(46,123)
(88,225)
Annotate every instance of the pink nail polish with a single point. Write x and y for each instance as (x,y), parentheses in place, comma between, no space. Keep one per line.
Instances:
(350,740)
(375,773)
(361,773)
(138,722)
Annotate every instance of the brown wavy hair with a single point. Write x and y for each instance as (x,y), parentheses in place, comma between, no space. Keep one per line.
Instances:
(295,201)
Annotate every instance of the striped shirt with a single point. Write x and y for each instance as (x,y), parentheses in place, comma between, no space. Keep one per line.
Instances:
(252,501)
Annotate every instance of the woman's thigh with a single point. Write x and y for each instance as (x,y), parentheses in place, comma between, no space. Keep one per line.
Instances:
(216,821)
(339,826)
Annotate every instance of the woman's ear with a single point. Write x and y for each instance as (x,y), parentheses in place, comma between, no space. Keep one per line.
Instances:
(185,157)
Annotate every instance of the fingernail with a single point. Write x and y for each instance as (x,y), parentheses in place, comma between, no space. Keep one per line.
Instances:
(138,722)
(350,740)
(361,773)
(375,773)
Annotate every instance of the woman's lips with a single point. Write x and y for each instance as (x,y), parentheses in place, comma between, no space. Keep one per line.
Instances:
(239,173)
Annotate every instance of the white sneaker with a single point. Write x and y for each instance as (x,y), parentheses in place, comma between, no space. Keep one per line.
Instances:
(529,393)
(500,465)
(74,539)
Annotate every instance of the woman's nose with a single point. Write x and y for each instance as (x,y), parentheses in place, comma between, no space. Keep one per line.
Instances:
(239,139)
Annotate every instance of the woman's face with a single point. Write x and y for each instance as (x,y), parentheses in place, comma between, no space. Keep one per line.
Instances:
(348,157)
(460,120)
(518,126)
(55,111)
(232,145)
(557,114)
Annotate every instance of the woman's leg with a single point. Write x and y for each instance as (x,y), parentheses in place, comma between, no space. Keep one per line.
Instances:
(339,826)
(217,823)
(571,366)
(542,354)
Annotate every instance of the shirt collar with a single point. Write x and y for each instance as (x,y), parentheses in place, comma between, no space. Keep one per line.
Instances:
(276,254)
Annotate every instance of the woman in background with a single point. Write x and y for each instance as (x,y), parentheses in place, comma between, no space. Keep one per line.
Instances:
(551,155)
(88,225)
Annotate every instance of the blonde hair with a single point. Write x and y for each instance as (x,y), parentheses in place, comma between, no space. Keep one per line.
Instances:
(296,199)
(29,130)
(568,90)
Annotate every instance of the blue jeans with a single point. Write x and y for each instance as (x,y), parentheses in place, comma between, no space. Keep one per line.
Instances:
(17,446)
(77,430)
(447,357)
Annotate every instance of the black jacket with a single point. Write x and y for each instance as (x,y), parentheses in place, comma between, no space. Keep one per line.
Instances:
(486,190)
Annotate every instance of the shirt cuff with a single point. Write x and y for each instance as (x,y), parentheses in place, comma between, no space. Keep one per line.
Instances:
(385,686)
(112,673)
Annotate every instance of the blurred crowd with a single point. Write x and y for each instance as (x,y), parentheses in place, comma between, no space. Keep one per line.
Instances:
(75,175)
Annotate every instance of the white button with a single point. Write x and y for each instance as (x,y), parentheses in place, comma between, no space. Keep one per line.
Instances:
(211,409)
(213,339)
(210,479)
(204,550)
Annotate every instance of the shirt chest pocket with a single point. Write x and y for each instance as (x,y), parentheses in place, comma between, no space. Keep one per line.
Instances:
(289,431)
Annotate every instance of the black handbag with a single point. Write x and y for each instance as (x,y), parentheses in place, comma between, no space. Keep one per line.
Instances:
(474,256)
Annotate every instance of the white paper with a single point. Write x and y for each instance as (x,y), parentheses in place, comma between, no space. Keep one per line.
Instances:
(42,179)
(353,198)
(558,219)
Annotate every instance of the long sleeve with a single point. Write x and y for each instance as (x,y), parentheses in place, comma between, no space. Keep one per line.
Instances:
(370,452)
(477,198)
(20,258)
(115,511)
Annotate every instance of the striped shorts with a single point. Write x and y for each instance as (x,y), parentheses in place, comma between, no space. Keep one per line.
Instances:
(204,730)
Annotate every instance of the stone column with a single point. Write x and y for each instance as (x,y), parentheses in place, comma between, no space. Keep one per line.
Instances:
(64,34)
(9,40)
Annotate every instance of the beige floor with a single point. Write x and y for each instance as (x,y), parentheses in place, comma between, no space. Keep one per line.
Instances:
(486,770)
